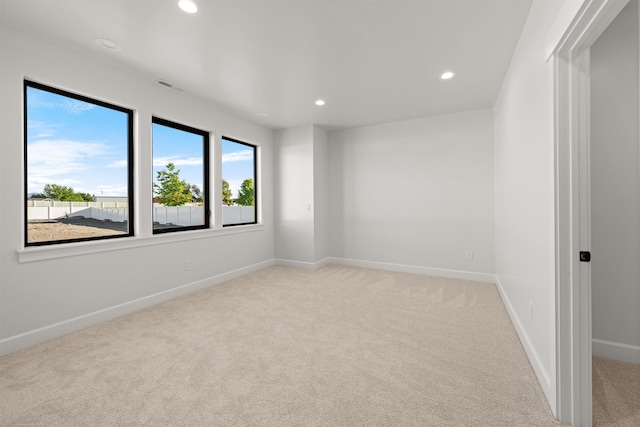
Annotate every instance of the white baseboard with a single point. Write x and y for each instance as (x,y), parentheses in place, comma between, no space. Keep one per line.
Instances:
(616,351)
(302,264)
(543,376)
(414,269)
(36,336)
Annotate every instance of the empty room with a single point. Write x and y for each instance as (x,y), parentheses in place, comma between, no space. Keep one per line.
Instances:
(319,212)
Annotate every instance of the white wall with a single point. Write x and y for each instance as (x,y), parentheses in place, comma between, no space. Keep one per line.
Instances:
(416,193)
(321,193)
(146,268)
(302,218)
(615,189)
(294,239)
(524,194)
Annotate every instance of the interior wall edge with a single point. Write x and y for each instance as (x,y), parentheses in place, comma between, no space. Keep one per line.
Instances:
(400,268)
(302,264)
(40,335)
(416,269)
(541,373)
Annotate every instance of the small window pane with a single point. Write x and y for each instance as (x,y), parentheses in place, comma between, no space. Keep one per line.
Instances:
(180,177)
(239,196)
(78,167)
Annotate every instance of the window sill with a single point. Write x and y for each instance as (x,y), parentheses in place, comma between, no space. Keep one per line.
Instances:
(40,253)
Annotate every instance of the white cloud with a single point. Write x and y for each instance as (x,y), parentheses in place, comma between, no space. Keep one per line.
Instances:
(118,164)
(67,105)
(190,161)
(234,186)
(238,156)
(59,158)
(112,190)
(75,107)
(37,183)
(42,129)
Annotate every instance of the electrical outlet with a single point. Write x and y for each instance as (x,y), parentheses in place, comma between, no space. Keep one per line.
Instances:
(349,246)
(187,265)
(469,255)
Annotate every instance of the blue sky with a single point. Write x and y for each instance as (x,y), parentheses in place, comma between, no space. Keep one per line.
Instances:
(237,164)
(183,149)
(74,143)
(84,146)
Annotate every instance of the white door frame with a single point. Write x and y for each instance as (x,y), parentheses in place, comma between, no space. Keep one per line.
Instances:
(573,278)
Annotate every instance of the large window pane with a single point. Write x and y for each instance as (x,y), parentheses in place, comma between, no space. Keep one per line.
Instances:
(239,196)
(78,170)
(180,177)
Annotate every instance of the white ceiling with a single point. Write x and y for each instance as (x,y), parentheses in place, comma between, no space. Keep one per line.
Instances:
(372,61)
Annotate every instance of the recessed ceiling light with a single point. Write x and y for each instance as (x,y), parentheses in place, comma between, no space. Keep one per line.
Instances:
(320,102)
(446,75)
(188,6)
(107,44)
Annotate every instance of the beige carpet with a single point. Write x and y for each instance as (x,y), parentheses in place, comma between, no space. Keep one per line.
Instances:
(339,346)
(616,393)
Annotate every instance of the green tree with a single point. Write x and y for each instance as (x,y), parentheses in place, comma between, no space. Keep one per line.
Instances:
(226,193)
(86,197)
(65,194)
(196,194)
(170,189)
(245,194)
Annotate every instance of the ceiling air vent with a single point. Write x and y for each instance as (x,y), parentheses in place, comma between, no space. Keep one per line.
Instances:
(169,85)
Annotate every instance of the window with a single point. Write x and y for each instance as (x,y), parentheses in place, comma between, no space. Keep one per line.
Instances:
(78,167)
(180,177)
(239,196)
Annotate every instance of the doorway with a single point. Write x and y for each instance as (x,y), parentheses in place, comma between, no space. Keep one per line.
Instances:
(614,195)
(573,208)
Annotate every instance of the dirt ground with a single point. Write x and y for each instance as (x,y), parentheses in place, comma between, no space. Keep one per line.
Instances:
(46,230)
